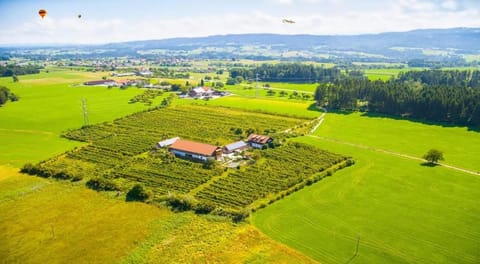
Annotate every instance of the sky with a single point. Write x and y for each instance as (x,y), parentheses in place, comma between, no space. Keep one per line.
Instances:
(107,21)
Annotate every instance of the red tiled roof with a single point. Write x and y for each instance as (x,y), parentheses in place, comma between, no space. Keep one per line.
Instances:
(194,147)
(259,139)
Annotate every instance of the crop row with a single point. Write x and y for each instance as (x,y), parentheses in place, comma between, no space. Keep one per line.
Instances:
(281,168)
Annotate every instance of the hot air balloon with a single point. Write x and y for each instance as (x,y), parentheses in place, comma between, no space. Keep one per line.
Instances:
(42,13)
(79,16)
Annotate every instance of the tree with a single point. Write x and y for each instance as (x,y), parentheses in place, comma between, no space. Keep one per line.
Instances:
(433,156)
(15,78)
(202,83)
(271,92)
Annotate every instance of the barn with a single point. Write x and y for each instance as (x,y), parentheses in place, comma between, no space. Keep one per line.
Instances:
(194,150)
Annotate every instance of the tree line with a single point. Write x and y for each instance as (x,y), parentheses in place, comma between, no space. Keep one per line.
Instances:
(441,96)
(10,70)
(288,72)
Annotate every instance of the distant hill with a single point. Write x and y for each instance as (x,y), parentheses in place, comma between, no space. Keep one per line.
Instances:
(465,39)
(429,44)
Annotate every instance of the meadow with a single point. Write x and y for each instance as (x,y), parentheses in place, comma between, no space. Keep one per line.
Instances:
(459,144)
(46,221)
(264,104)
(51,103)
(400,210)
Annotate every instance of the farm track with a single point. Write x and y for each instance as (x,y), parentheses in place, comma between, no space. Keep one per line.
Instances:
(392,153)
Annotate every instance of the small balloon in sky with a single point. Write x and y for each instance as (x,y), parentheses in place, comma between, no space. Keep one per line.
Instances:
(288,21)
(79,15)
(42,13)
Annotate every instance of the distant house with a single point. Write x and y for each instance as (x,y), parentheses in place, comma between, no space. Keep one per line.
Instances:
(201,92)
(123,74)
(236,146)
(125,82)
(259,141)
(144,73)
(167,142)
(194,150)
(101,83)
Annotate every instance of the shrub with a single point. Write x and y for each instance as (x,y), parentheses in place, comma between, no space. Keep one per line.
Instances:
(181,202)
(29,168)
(138,193)
(77,178)
(204,208)
(62,175)
(101,184)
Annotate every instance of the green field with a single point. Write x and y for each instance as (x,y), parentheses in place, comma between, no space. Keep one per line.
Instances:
(268,104)
(460,145)
(402,211)
(383,74)
(51,103)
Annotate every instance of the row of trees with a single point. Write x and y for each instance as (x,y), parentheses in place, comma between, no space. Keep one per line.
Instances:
(10,70)
(438,77)
(288,72)
(438,96)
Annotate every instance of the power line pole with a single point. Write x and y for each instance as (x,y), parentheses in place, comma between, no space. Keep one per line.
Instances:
(85,113)
(256,85)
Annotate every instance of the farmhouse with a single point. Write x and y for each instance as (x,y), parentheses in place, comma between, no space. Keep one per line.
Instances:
(167,142)
(236,146)
(201,91)
(195,150)
(259,141)
(101,83)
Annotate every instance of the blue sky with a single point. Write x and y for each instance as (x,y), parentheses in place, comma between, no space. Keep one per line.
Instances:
(106,21)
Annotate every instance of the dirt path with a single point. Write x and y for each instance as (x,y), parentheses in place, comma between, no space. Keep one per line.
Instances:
(392,153)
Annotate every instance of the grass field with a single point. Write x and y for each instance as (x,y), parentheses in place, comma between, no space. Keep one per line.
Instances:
(44,221)
(383,74)
(460,146)
(401,211)
(270,105)
(50,103)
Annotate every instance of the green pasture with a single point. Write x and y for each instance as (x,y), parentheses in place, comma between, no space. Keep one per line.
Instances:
(459,144)
(265,104)
(51,103)
(383,74)
(397,210)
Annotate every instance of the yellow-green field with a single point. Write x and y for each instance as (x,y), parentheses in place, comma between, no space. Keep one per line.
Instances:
(45,221)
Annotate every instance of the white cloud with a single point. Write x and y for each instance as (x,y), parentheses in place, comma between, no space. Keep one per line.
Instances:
(397,18)
(449,4)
